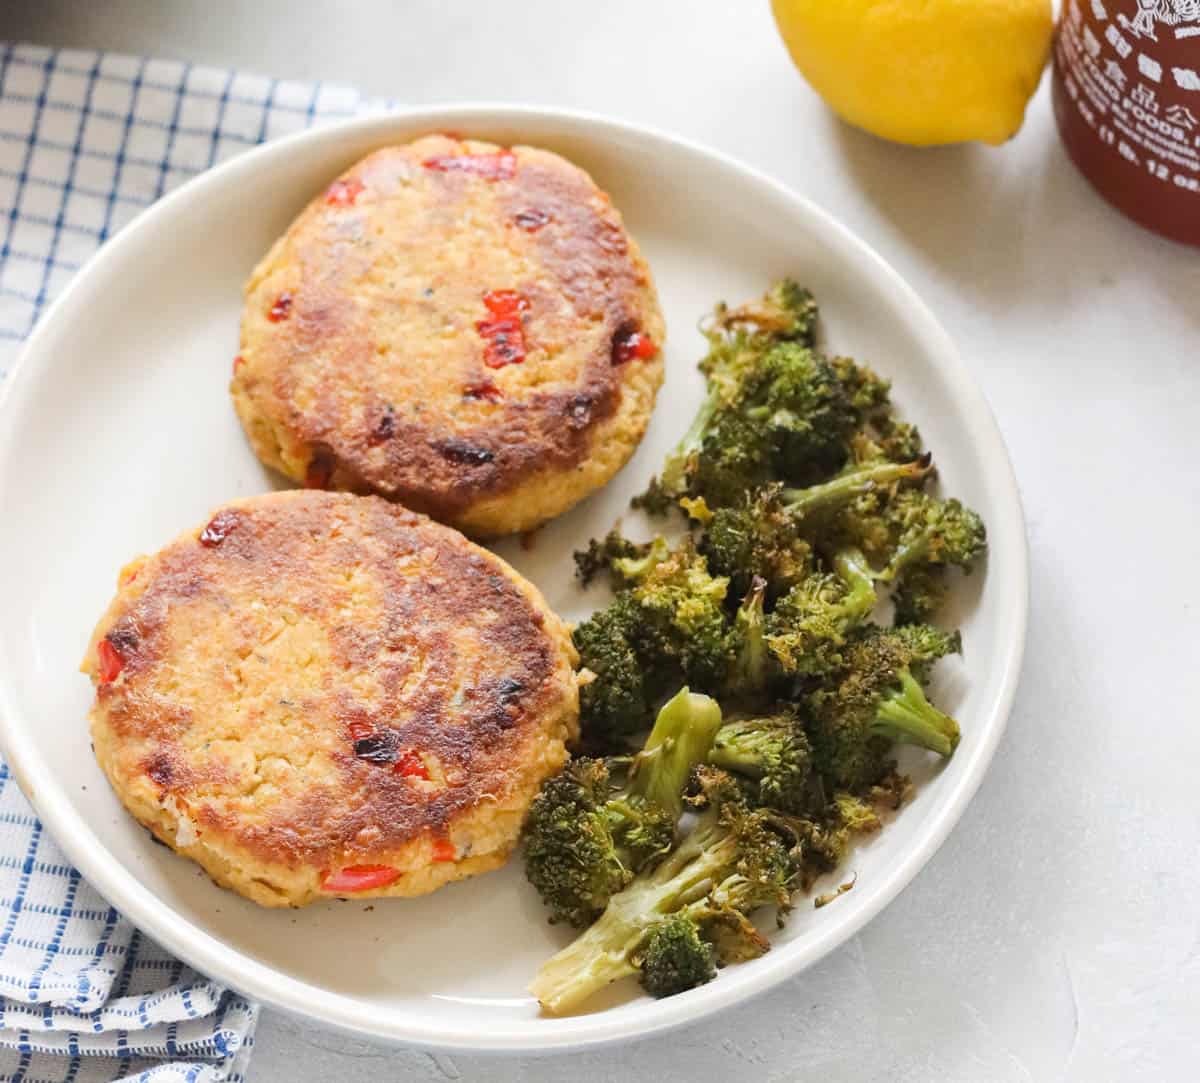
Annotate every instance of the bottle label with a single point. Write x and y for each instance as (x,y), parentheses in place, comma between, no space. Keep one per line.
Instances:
(1130,71)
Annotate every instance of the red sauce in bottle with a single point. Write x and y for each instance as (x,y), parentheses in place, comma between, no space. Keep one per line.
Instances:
(1127,100)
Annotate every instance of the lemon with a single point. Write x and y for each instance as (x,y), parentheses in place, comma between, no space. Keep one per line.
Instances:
(922,71)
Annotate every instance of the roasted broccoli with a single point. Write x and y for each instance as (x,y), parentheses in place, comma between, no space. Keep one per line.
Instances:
(773,405)
(808,627)
(828,497)
(586,837)
(877,699)
(928,535)
(732,862)
(619,699)
(683,625)
(749,660)
(773,752)
(778,533)
(807,501)
(787,311)
(757,537)
(676,957)
(667,625)
(600,554)
(820,836)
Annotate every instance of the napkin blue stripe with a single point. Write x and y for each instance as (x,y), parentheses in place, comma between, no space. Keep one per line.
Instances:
(55,944)
(23,172)
(172,132)
(76,149)
(222,106)
(119,158)
(16,905)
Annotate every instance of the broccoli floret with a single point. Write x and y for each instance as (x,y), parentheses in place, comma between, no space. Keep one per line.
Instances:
(601,553)
(773,405)
(786,311)
(855,814)
(795,394)
(919,594)
(636,564)
(626,562)
(808,628)
(732,862)
(683,624)
(868,393)
(775,409)
(757,537)
(572,853)
(821,837)
(899,441)
(586,837)
(676,957)
(877,699)
(785,415)
(927,536)
(618,701)
(667,625)
(773,751)
(655,500)
(734,936)
(723,455)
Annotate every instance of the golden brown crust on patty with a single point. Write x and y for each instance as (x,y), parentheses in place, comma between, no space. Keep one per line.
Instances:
(288,675)
(362,365)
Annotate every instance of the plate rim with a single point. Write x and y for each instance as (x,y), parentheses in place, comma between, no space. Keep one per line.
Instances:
(265,983)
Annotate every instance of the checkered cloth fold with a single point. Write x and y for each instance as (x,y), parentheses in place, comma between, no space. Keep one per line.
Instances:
(87,140)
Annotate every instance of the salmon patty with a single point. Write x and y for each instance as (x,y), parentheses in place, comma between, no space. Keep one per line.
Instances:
(464,328)
(322,694)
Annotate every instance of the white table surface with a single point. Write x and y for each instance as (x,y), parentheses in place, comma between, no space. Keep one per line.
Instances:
(1056,936)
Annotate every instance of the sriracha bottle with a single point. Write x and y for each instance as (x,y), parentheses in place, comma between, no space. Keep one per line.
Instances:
(1127,100)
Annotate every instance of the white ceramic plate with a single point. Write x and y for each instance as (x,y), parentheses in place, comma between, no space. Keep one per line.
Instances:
(117,432)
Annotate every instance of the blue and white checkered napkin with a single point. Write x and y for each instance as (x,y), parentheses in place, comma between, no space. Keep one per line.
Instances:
(87,140)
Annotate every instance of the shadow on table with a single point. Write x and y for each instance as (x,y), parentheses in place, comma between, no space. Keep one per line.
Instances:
(1040,237)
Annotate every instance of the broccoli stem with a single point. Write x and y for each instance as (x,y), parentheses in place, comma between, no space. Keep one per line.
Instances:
(605,952)
(852,568)
(831,495)
(749,671)
(745,748)
(908,716)
(904,557)
(682,735)
(674,471)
